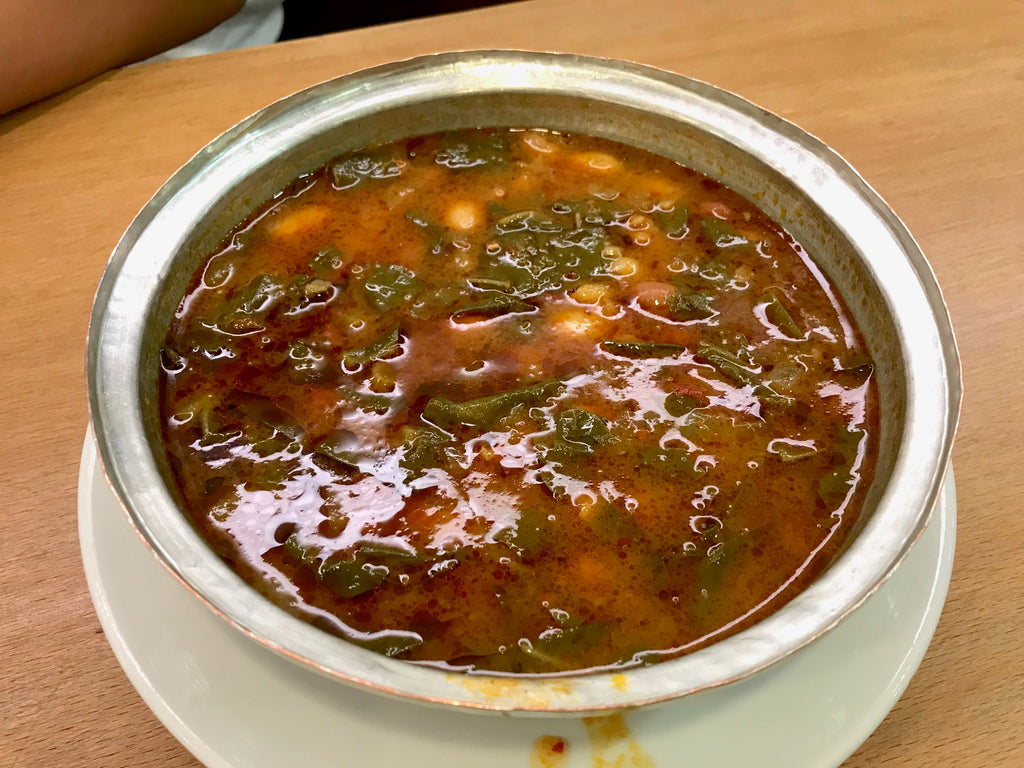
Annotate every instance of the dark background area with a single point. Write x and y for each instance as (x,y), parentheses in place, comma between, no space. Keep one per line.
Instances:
(305,18)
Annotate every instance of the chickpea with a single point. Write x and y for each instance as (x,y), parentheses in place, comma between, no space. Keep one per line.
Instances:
(538,142)
(591,293)
(300,220)
(465,215)
(382,377)
(596,161)
(624,266)
(578,323)
(652,295)
(586,506)
(486,452)
(638,221)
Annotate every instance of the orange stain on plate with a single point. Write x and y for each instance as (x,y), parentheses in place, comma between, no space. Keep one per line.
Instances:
(501,687)
(549,752)
(612,744)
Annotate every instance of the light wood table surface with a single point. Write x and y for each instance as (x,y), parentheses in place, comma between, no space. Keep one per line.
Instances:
(925,99)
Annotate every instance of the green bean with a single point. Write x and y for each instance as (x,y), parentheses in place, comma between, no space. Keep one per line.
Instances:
(385,346)
(777,314)
(641,349)
(674,223)
(486,411)
(389,286)
(721,233)
(732,367)
(494,305)
(690,305)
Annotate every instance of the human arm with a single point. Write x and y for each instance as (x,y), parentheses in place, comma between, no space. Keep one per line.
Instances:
(47,46)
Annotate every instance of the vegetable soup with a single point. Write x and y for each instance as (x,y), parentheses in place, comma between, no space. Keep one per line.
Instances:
(518,401)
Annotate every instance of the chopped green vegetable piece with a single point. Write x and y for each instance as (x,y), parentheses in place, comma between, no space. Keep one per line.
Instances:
(306,364)
(350,578)
(745,501)
(388,286)
(525,219)
(327,262)
(777,314)
(258,295)
(351,574)
(715,270)
(595,210)
(790,452)
(265,411)
(385,346)
(392,643)
(721,233)
(171,361)
(530,536)
(460,150)
(553,481)
(437,298)
(200,410)
(690,305)
(338,447)
(679,405)
(433,230)
(730,365)
(206,340)
(382,552)
(674,223)
(713,568)
(245,312)
(486,411)
(538,254)
(424,447)
(367,165)
(834,486)
(307,555)
(494,305)
(269,475)
(641,349)
(486,283)
(855,373)
(612,522)
(553,645)
(581,430)
(496,209)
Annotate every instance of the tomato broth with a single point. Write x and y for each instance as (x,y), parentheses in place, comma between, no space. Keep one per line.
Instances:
(518,401)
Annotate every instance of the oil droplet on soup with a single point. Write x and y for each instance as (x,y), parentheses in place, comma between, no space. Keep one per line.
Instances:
(520,402)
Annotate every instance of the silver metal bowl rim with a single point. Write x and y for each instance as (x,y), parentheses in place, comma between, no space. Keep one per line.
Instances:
(928,346)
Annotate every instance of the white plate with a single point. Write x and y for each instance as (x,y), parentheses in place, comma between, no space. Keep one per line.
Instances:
(234,704)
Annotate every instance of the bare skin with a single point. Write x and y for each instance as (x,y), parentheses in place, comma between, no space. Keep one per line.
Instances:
(47,46)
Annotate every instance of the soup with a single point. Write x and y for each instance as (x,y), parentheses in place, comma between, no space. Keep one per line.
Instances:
(519,402)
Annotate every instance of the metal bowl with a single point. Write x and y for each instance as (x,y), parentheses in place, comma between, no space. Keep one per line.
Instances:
(850,232)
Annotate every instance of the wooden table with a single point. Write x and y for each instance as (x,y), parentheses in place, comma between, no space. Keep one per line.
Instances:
(923,98)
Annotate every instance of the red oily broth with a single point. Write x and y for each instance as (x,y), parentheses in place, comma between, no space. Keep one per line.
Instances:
(520,402)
